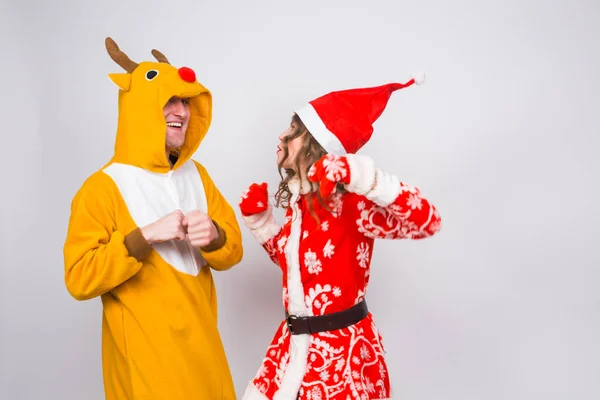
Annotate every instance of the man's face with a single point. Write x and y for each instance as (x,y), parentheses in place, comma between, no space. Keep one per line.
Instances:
(177,115)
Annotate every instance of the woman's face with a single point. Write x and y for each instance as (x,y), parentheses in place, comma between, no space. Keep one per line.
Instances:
(293,145)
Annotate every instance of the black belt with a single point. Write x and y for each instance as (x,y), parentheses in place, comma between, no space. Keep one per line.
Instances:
(328,322)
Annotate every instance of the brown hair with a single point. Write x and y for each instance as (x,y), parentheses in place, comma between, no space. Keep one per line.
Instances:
(311,151)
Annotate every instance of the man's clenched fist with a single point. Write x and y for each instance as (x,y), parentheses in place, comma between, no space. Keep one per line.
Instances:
(200,229)
(171,226)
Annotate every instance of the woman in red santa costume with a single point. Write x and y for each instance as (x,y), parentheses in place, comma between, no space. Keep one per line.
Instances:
(337,203)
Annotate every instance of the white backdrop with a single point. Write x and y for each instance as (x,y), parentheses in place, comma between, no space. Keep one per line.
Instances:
(501,305)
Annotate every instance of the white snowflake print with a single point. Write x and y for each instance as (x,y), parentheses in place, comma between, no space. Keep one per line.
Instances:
(335,168)
(262,387)
(312,262)
(339,365)
(360,295)
(364,353)
(245,194)
(404,188)
(325,226)
(414,202)
(356,360)
(311,298)
(281,243)
(395,225)
(260,204)
(271,251)
(434,226)
(337,292)
(324,375)
(263,370)
(382,372)
(363,254)
(336,205)
(360,205)
(328,250)
(314,394)
(368,385)
(304,234)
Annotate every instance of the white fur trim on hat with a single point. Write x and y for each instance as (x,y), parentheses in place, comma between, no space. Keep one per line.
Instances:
(317,128)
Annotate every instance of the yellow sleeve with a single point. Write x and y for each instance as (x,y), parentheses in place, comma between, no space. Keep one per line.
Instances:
(227,249)
(97,256)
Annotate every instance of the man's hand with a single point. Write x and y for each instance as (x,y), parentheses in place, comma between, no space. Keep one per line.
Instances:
(171,226)
(201,230)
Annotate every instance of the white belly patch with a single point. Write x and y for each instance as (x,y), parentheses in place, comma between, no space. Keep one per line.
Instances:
(150,196)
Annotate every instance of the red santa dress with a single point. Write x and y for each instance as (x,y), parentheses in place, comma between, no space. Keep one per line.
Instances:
(325,264)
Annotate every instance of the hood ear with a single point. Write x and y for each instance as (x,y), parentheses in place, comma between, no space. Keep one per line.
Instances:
(123,81)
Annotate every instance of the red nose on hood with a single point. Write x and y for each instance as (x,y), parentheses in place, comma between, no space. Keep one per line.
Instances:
(187,74)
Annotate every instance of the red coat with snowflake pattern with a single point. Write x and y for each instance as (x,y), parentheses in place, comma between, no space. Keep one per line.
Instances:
(326,268)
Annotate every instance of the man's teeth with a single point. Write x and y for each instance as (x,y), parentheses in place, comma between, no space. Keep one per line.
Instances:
(174,124)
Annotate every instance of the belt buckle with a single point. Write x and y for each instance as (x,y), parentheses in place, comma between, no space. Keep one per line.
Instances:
(288,321)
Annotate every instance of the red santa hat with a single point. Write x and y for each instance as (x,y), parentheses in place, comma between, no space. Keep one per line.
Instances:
(342,121)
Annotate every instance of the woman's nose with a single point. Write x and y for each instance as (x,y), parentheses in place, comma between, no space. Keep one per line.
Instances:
(284,134)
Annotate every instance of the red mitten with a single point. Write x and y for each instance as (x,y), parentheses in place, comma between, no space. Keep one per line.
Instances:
(254,200)
(328,172)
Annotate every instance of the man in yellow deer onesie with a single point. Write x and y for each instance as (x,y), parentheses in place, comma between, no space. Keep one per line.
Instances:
(145,232)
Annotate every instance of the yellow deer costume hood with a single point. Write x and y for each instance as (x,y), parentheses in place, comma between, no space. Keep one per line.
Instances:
(145,89)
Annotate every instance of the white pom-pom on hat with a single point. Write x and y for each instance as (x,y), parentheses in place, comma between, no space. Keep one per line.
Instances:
(418,77)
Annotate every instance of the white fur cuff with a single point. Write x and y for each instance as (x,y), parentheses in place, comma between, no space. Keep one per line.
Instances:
(263,225)
(386,190)
(362,173)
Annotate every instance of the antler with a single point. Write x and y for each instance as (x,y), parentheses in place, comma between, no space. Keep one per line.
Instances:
(118,56)
(160,56)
